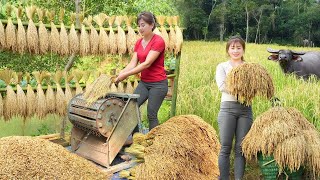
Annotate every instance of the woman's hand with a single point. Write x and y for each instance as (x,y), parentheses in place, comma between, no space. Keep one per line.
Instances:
(120,77)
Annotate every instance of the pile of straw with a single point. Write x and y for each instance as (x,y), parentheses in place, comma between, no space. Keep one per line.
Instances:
(184,147)
(249,80)
(23,157)
(285,134)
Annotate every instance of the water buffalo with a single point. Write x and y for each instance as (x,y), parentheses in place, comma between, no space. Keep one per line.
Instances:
(303,64)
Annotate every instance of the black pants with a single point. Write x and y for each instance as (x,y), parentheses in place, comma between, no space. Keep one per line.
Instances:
(154,92)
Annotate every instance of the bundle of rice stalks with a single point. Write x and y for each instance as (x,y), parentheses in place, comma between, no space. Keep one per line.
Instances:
(121,36)
(184,147)
(60,97)
(10,101)
(131,35)
(50,98)
(103,37)
(2,36)
(21,97)
(73,37)
(113,88)
(313,154)
(112,37)
(93,37)
(164,33)
(249,80)
(77,76)
(179,36)
(42,159)
(64,48)
(129,88)
(84,38)
(43,33)
(99,88)
(121,87)
(10,32)
(172,34)
(21,33)
(157,31)
(67,92)
(41,104)
(31,98)
(54,38)
(135,84)
(32,32)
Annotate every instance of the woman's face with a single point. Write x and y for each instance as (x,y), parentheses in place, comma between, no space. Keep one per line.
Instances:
(235,51)
(144,27)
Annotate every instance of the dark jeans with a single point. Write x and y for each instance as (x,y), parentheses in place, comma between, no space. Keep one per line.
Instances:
(154,92)
(234,119)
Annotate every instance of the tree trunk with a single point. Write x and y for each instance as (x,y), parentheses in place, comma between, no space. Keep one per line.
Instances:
(258,27)
(222,25)
(71,60)
(247,31)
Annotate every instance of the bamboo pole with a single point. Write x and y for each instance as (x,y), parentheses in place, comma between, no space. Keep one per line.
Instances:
(175,88)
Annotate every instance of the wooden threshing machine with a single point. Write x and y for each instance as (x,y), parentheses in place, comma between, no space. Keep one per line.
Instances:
(101,129)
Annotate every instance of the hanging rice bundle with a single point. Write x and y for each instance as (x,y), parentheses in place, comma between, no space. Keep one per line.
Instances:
(129,87)
(99,88)
(77,76)
(10,101)
(131,36)
(135,84)
(184,147)
(64,48)
(68,94)
(249,80)
(172,34)
(10,33)
(179,36)
(121,36)
(43,33)
(31,98)
(23,157)
(21,97)
(60,97)
(112,37)
(120,87)
(1,106)
(73,37)
(50,99)
(32,32)
(84,39)
(2,36)
(103,37)
(21,33)
(54,38)
(41,104)
(93,37)
(164,33)
(113,88)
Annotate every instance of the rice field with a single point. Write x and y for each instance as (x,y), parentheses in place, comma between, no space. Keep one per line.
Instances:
(199,95)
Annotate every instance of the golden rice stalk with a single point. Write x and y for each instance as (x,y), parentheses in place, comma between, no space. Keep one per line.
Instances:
(121,36)
(164,33)
(32,32)
(131,35)
(291,153)
(112,37)
(129,87)
(60,97)
(41,104)
(10,35)
(84,40)
(31,101)
(21,33)
(249,80)
(298,118)
(1,106)
(43,33)
(2,36)
(93,37)
(64,48)
(74,45)
(68,94)
(172,34)
(179,36)
(103,36)
(99,88)
(54,38)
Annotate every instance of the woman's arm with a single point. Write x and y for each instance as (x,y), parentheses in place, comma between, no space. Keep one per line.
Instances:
(133,63)
(221,78)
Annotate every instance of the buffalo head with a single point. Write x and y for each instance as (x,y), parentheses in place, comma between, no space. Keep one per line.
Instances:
(284,55)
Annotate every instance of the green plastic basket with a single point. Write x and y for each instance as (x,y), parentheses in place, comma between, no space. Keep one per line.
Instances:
(295,175)
(268,167)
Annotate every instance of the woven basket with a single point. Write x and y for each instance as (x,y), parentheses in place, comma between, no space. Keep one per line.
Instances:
(268,167)
(295,175)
